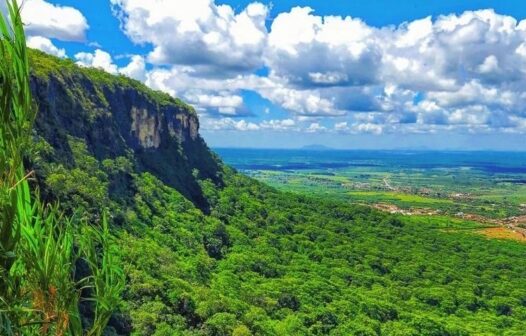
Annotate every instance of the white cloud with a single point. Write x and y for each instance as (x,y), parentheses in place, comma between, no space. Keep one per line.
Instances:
(309,50)
(219,101)
(453,72)
(198,33)
(490,64)
(315,127)
(341,126)
(358,128)
(461,71)
(228,124)
(136,69)
(45,45)
(225,104)
(243,125)
(44,21)
(471,68)
(42,18)
(303,102)
(278,125)
(209,95)
(99,59)
(474,92)
(367,128)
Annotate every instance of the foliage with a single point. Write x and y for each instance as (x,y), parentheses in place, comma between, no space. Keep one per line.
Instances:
(44,66)
(488,184)
(113,116)
(39,292)
(107,277)
(47,257)
(16,115)
(267,262)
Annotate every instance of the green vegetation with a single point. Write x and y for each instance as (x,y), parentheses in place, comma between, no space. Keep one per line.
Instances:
(115,117)
(44,66)
(265,262)
(40,291)
(449,190)
(394,197)
(254,261)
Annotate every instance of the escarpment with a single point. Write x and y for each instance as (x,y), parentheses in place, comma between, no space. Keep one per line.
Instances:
(117,116)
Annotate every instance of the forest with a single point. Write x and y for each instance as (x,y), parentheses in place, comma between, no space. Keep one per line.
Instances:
(103,234)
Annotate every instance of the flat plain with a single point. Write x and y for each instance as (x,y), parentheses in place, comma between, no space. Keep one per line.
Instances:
(487,188)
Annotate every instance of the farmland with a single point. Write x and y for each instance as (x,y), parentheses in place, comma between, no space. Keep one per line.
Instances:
(487,188)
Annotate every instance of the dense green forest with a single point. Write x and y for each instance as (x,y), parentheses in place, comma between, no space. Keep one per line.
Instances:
(271,263)
(258,261)
(208,251)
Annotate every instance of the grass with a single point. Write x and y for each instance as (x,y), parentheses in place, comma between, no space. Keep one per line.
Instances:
(382,196)
(502,233)
(39,292)
(444,222)
(480,193)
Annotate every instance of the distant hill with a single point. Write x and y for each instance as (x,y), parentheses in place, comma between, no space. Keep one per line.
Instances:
(316,147)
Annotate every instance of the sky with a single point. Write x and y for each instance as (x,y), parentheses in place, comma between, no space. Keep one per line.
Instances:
(285,74)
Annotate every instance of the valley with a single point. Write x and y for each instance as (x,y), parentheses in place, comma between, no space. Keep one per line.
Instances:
(280,244)
(472,186)
(119,216)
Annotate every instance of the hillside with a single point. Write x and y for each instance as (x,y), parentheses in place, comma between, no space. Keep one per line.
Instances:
(115,116)
(208,251)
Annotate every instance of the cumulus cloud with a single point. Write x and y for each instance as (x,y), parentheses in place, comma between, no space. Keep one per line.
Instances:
(461,71)
(309,50)
(136,69)
(315,127)
(367,128)
(277,125)
(65,23)
(228,124)
(44,21)
(210,95)
(469,70)
(304,102)
(98,59)
(290,125)
(101,59)
(452,72)
(45,45)
(198,33)
(225,104)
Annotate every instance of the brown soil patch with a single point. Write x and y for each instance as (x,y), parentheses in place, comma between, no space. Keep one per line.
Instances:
(503,233)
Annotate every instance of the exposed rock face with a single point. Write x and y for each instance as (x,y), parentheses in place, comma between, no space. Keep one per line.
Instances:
(114,119)
(146,129)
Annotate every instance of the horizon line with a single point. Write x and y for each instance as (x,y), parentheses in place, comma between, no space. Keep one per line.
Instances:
(328,149)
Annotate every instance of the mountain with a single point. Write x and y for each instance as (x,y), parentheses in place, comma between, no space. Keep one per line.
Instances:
(316,147)
(114,116)
(208,251)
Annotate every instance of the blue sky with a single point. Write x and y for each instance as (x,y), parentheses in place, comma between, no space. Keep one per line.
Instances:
(347,74)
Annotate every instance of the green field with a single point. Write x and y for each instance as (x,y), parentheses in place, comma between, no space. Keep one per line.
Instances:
(397,198)
(451,191)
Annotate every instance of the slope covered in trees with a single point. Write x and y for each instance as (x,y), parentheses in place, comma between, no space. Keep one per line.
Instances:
(207,251)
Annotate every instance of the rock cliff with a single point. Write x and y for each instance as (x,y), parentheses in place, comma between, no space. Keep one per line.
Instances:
(117,116)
